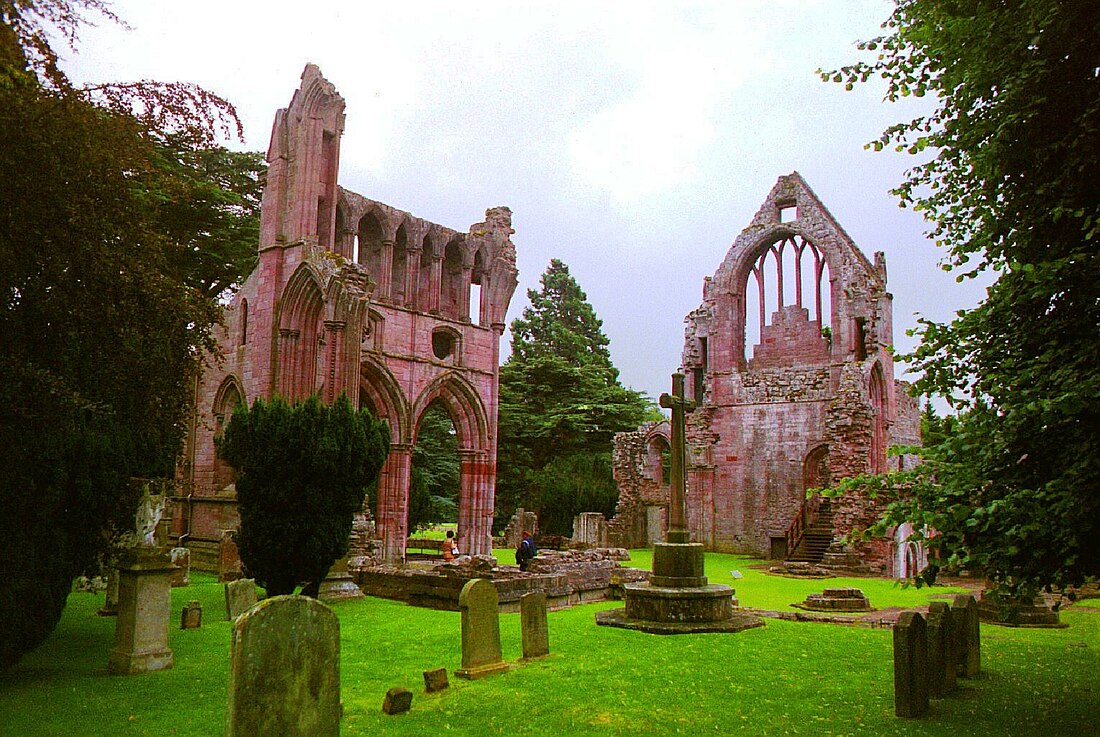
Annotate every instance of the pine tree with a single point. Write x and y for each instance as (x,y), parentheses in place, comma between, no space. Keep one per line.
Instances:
(561,404)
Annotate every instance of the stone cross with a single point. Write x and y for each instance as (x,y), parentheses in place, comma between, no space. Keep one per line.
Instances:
(677,503)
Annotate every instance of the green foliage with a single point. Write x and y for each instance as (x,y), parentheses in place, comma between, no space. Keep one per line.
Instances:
(597,680)
(1008,181)
(303,472)
(100,321)
(434,484)
(560,397)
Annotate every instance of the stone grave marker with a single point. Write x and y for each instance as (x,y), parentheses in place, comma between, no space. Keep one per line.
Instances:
(397,701)
(284,672)
(181,558)
(229,557)
(969,643)
(536,637)
(110,603)
(191,616)
(941,650)
(910,666)
(240,596)
(436,680)
(478,603)
(144,605)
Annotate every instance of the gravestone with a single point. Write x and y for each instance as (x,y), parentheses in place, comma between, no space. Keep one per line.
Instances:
(229,557)
(144,604)
(436,680)
(397,701)
(181,558)
(284,677)
(536,637)
(191,616)
(941,650)
(110,602)
(240,596)
(478,603)
(969,643)
(910,666)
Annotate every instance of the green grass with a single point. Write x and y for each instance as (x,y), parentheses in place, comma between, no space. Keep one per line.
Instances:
(784,678)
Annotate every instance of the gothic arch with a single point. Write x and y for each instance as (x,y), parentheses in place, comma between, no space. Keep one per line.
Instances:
(301,309)
(226,399)
(463,403)
(380,391)
(876,390)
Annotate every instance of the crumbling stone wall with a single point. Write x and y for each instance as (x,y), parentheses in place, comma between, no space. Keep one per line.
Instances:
(788,359)
(352,295)
(638,463)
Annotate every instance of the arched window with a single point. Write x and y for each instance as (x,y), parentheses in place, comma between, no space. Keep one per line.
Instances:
(876,389)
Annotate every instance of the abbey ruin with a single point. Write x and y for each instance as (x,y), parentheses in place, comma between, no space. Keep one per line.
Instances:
(788,360)
(352,295)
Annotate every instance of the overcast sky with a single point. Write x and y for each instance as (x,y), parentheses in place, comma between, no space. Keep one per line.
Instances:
(632,140)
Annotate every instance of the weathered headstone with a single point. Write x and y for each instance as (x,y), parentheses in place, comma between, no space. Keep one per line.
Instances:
(941,650)
(229,557)
(397,701)
(536,637)
(965,611)
(910,666)
(436,680)
(144,606)
(110,602)
(285,670)
(478,603)
(181,558)
(240,596)
(191,616)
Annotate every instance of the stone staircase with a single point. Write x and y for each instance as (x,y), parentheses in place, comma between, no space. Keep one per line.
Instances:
(816,538)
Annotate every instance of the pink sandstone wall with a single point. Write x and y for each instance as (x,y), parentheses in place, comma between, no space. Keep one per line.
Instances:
(391,328)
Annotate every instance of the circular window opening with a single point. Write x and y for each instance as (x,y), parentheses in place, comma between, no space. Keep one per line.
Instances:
(443,344)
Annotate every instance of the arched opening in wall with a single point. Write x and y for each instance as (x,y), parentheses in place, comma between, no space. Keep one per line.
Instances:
(370,245)
(226,399)
(399,266)
(428,256)
(788,300)
(445,345)
(451,289)
(244,322)
(658,460)
(876,389)
(434,483)
(475,288)
(815,469)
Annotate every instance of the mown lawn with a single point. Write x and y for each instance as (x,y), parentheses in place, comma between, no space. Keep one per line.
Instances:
(784,678)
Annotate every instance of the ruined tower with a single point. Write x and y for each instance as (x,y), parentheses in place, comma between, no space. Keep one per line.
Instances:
(352,295)
(788,361)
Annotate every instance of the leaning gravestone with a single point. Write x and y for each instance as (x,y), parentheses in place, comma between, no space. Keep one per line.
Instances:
(181,558)
(478,603)
(284,678)
(536,637)
(144,604)
(965,611)
(240,596)
(941,650)
(435,680)
(397,701)
(910,666)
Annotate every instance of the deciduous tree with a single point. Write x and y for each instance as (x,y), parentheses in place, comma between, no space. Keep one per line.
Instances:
(1008,180)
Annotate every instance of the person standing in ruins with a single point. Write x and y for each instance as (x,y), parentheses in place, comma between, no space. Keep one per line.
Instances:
(525,551)
(450,546)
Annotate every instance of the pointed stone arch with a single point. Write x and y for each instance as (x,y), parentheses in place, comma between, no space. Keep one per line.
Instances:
(877,394)
(463,403)
(301,311)
(229,394)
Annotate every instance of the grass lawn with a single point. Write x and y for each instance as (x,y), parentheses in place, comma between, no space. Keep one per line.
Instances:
(784,678)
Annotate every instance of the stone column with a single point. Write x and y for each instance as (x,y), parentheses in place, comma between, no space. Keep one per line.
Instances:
(412,278)
(464,290)
(393,501)
(475,506)
(334,367)
(435,283)
(144,600)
